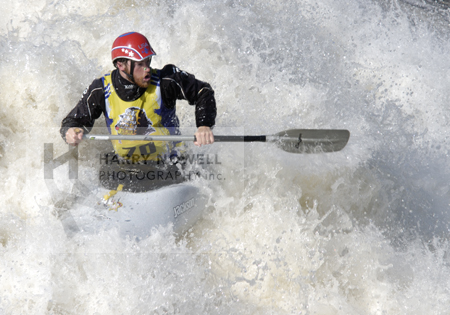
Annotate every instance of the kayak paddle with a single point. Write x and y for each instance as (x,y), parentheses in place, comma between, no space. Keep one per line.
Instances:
(293,140)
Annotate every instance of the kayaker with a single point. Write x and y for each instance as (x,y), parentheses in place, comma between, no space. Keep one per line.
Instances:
(137,99)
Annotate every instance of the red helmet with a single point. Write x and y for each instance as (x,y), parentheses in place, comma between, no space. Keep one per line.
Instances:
(132,46)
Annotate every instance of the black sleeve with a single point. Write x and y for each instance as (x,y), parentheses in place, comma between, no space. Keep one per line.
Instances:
(89,108)
(177,84)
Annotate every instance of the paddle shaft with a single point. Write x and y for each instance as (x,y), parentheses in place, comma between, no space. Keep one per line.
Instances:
(217,138)
(261,138)
(240,138)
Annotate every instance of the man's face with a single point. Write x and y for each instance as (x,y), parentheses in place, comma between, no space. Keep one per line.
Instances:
(141,73)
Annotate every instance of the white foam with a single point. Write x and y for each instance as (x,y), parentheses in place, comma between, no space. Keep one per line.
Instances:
(361,231)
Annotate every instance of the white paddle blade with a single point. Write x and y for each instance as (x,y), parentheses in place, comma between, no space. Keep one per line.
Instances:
(312,140)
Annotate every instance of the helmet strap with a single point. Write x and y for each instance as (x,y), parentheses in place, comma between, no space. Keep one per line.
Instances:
(130,75)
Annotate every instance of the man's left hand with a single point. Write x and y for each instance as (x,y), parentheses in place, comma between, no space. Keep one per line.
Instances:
(204,135)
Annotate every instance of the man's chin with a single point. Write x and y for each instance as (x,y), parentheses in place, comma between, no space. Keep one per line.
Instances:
(143,85)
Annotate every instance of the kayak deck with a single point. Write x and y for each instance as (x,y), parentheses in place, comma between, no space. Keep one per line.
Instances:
(135,214)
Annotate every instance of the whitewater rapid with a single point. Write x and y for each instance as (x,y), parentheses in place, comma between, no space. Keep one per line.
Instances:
(360,231)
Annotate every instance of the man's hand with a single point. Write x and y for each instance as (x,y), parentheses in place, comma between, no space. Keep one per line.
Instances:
(74,136)
(204,135)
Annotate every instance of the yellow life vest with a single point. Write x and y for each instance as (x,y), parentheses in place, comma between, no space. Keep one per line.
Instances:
(144,116)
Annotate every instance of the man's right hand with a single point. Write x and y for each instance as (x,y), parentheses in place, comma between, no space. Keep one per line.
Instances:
(74,136)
